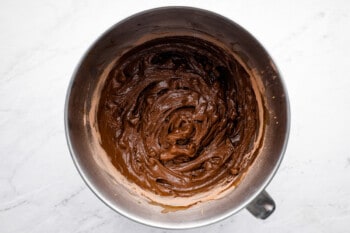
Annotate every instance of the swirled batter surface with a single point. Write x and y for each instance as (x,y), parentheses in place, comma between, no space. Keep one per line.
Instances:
(178,116)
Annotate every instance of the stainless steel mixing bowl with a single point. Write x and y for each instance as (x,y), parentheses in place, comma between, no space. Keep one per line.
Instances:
(162,22)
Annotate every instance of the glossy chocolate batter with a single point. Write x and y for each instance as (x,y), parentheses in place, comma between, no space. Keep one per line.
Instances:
(178,116)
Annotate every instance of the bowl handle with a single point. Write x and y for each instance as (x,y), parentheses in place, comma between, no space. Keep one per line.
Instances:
(262,206)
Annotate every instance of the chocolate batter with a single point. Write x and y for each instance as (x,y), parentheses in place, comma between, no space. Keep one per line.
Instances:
(178,116)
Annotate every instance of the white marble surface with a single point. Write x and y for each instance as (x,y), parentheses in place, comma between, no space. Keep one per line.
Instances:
(42,41)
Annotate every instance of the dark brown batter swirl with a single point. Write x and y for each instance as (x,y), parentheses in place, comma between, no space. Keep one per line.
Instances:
(178,116)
